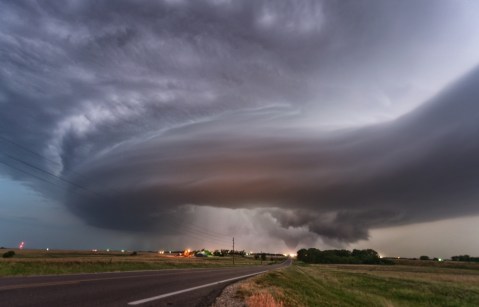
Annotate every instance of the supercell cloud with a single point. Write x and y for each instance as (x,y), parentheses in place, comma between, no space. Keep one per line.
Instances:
(300,120)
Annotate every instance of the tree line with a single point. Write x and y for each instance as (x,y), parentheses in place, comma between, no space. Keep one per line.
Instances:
(465,258)
(341,256)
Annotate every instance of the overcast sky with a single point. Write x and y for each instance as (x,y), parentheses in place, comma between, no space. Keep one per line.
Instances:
(287,124)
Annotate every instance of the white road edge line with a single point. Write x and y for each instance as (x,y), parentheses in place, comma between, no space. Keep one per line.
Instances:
(190,289)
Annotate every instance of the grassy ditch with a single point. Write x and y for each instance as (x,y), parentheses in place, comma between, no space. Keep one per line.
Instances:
(364,285)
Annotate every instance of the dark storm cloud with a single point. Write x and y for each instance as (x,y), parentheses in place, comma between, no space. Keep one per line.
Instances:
(419,167)
(144,108)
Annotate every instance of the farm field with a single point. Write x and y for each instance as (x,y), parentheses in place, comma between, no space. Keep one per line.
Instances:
(424,284)
(42,262)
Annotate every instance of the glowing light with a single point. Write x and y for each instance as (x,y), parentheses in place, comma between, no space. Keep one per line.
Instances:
(122,250)
(48,249)
(161,252)
(21,245)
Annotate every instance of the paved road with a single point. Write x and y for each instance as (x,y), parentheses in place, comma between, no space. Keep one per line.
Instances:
(123,289)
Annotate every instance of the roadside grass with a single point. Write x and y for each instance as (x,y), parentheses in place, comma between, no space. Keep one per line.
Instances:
(366,285)
(34,262)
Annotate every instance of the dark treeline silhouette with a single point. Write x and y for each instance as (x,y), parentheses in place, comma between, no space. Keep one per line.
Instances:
(341,256)
(466,258)
(228,252)
(271,256)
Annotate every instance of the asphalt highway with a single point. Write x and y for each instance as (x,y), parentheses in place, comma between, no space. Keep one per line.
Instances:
(176,287)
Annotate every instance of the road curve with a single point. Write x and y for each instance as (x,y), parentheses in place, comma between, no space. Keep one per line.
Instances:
(175,287)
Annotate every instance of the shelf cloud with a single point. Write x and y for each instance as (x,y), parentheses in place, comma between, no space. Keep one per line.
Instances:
(304,120)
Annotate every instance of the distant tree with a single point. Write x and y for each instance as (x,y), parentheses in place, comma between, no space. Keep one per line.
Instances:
(365,256)
(313,255)
(301,254)
(263,256)
(424,258)
(342,253)
(465,258)
(134,253)
(8,254)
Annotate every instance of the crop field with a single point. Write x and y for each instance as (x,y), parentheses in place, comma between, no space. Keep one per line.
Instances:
(40,262)
(366,285)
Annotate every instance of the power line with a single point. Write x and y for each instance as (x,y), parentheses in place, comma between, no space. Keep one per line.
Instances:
(35,153)
(191,227)
(49,173)
(186,229)
(29,150)
(28,173)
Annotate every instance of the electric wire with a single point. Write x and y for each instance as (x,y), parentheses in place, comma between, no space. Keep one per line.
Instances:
(191,229)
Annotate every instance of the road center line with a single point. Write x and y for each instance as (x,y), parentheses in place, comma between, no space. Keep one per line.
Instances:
(190,289)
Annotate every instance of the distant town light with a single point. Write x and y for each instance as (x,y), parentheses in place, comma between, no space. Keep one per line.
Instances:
(48,249)
(122,250)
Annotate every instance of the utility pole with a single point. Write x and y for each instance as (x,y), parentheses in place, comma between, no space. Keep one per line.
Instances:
(233,250)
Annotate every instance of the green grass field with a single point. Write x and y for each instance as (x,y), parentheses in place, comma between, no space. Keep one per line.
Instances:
(41,262)
(367,285)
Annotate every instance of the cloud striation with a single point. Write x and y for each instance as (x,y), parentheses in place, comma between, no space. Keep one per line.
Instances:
(299,116)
